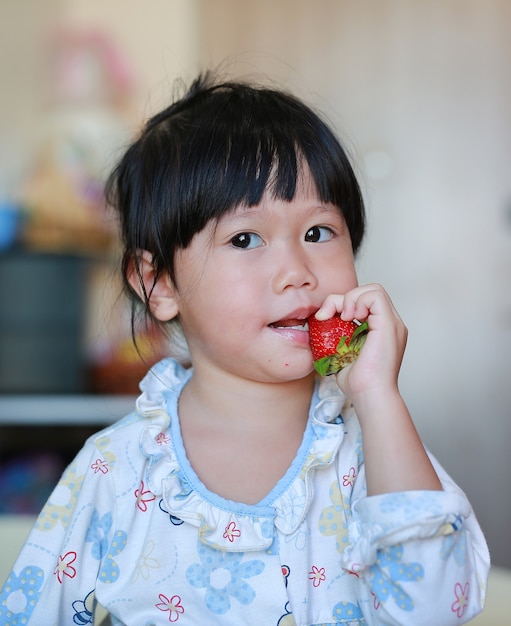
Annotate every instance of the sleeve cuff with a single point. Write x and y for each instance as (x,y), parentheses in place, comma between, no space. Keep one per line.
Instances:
(393,518)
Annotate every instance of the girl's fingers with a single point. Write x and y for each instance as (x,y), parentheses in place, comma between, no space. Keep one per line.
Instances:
(362,301)
(332,305)
(359,303)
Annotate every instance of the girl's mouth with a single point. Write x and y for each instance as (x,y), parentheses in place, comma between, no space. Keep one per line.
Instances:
(291,324)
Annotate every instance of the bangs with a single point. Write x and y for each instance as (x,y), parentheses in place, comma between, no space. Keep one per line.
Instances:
(232,158)
(239,169)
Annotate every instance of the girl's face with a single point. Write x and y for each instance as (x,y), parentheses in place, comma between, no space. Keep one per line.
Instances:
(247,284)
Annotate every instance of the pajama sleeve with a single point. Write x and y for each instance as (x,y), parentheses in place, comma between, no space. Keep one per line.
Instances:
(419,557)
(69,548)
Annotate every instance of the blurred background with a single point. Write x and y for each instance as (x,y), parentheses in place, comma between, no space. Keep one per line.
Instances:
(420,92)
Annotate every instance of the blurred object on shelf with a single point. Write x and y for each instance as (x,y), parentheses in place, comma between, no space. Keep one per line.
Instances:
(9,225)
(85,65)
(85,125)
(42,314)
(65,209)
(121,369)
(26,481)
(34,453)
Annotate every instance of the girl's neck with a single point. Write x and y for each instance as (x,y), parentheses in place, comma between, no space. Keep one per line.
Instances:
(234,401)
(241,439)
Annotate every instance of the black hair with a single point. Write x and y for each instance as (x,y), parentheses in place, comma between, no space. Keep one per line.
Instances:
(220,146)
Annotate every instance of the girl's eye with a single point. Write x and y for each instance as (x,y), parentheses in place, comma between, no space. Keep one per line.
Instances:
(318,234)
(246,241)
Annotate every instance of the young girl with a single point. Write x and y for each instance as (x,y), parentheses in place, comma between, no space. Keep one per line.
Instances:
(243,489)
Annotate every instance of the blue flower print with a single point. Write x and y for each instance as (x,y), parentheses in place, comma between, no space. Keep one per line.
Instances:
(455,544)
(346,612)
(20,595)
(409,505)
(384,584)
(222,575)
(97,534)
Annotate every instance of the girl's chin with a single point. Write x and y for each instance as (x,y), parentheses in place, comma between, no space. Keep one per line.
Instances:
(283,371)
(293,370)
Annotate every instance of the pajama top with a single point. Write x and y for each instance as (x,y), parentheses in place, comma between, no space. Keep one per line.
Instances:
(131,525)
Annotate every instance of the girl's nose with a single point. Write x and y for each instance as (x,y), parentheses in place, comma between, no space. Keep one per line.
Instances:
(293,269)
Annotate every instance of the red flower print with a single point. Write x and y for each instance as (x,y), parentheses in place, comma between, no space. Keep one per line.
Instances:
(349,478)
(100,466)
(173,606)
(143,497)
(355,569)
(64,566)
(460,604)
(376,602)
(317,575)
(231,532)
(162,438)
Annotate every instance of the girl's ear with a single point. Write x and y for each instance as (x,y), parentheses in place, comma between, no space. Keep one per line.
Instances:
(163,301)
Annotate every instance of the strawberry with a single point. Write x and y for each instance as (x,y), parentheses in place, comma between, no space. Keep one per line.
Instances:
(335,343)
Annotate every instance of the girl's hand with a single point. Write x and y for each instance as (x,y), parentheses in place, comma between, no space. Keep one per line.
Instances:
(377,368)
(394,457)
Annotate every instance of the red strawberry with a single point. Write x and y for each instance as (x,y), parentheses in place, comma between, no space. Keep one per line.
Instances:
(335,343)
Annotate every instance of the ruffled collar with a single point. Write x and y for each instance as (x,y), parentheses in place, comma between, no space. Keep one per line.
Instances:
(221,523)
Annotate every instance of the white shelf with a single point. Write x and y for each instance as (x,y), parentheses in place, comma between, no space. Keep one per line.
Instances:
(64,410)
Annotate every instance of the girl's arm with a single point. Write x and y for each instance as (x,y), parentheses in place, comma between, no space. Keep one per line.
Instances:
(395,457)
(415,546)
(418,557)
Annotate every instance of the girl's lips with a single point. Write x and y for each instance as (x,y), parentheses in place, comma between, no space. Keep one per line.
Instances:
(293,324)
(295,330)
(296,319)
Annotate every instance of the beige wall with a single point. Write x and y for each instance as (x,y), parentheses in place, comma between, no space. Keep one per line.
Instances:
(23,25)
